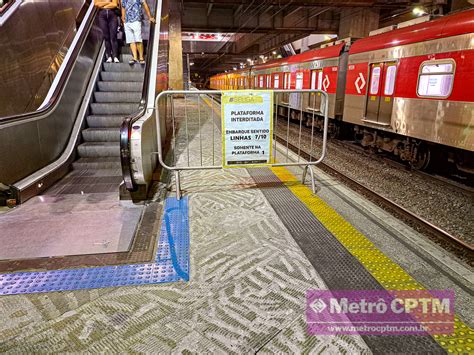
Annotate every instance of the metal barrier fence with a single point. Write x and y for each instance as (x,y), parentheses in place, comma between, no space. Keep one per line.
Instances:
(294,107)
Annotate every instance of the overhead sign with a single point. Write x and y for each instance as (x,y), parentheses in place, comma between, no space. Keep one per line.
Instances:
(247,128)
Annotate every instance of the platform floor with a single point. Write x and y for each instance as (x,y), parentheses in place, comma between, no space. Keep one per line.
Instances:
(81,214)
(256,248)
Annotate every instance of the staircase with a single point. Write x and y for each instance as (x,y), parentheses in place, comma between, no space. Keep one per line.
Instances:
(117,95)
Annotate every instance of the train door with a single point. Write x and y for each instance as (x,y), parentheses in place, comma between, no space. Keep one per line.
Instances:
(380,94)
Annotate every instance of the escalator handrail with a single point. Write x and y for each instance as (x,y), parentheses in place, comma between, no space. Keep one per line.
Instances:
(53,101)
(127,124)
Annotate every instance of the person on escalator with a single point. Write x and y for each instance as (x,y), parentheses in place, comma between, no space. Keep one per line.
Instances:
(108,22)
(132,17)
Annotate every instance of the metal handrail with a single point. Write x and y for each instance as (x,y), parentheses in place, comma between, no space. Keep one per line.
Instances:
(5,7)
(50,106)
(127,124)
(306,164)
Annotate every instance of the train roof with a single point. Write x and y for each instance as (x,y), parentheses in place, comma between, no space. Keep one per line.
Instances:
(308,56)
(446,26)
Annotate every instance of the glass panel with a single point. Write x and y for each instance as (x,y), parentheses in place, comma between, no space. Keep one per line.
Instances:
(299,81)
(261,81)
(320,80)
(437,68)
(374,81)
(313,80)
(435,85)
(269,78)
(276,83)
(390,80)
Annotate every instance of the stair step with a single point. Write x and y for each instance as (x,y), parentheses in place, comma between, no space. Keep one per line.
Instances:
(123,67)
(123,97)
(122,76)
(118,86)
(97,163)
(104,121)
(113,108)
(99,149)
(101,135)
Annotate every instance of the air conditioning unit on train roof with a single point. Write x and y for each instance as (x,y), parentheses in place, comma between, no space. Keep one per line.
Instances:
(382,30)
(325,45)
(343,40)
(416,21)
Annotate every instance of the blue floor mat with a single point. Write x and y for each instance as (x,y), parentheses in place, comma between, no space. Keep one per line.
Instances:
(171,263)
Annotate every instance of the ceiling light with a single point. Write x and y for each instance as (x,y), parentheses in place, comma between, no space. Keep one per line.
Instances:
(419,11)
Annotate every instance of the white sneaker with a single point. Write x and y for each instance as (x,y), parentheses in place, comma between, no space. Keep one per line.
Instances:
(109,60)
(116,60)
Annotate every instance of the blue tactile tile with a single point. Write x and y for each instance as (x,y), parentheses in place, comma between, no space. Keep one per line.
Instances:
(171,263)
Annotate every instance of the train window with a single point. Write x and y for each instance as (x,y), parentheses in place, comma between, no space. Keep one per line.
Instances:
(313,80)
(320,80)
(276,81)
(436,78)
(375,80)
(269,80)
(299,81)
(288,80)
(390,74)
(261,81)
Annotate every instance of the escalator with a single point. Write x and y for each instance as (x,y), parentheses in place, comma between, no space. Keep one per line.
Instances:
(63,164)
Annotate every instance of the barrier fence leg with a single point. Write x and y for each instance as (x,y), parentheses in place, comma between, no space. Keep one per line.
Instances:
(178,184)
(303,178)
(313,184)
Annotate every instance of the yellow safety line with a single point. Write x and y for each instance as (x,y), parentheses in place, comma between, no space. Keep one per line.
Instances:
(389,274)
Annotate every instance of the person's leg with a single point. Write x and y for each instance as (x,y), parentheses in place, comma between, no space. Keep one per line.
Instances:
(133,47)
(104,27)
(113,24)
(140,50)
(138,38)
(130,40)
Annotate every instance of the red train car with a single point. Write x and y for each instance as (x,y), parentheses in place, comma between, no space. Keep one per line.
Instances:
(408,91)
(412,87)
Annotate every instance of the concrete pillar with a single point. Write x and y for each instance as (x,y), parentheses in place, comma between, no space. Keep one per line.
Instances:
(357,22)
(175,47)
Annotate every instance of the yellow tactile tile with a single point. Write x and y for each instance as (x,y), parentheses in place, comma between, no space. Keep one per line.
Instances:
(389,274)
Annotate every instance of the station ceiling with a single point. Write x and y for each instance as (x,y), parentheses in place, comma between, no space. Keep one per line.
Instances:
(220,34)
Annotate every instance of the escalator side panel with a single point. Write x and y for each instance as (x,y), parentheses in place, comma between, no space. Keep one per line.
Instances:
(29,146)
(33,40)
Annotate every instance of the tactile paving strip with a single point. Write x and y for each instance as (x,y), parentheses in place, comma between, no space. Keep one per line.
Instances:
(382,269)
(171,263)
(338,268)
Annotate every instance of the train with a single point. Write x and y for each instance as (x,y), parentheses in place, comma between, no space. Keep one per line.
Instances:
(406,89)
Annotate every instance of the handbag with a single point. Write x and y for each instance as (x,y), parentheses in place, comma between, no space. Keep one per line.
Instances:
(120,33)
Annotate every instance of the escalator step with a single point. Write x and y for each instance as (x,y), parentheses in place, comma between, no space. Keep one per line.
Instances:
(97,163)
(113,108)
(126,49)
(99,149)
(123,67)
(125,58)
(98,121)
(122,76)
(124,97)
(120,86)
(101,135)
